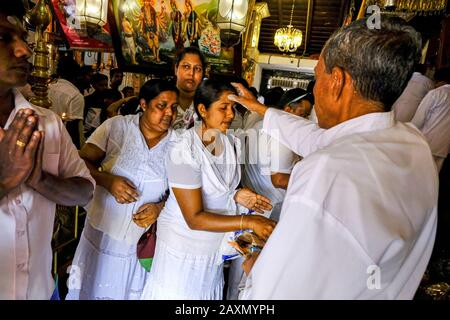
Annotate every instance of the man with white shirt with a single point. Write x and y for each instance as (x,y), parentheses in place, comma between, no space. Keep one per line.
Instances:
(39,168)
(67,100)
(433,117)
(359,217)
(406,105)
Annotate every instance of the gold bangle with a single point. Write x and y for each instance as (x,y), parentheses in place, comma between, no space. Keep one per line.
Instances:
(240,224)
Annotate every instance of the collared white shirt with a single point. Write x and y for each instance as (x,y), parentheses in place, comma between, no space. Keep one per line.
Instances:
(433,119)
(26,217)
(359,217)
(406,105)
(66,98)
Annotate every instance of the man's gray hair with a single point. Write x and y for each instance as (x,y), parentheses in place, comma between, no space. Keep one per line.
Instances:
(380,61)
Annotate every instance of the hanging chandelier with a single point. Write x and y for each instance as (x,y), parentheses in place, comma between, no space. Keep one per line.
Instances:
(288,38)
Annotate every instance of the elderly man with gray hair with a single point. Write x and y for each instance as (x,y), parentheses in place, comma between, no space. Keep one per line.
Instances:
(359,216)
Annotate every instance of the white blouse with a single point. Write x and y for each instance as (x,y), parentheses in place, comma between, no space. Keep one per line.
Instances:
(127,155)
(191,166)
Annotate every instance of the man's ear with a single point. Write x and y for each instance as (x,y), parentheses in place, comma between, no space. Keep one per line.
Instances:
(337,82)
(287,109)
(143,104)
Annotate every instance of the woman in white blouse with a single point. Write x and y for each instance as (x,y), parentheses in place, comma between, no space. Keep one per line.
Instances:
(203,173)
(131,151)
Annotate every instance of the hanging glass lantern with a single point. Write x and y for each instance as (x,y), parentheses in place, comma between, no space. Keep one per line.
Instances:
(93,13)
(231,19)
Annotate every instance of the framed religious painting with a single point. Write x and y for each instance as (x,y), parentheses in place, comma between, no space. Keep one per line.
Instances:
(84,24)
(148,34)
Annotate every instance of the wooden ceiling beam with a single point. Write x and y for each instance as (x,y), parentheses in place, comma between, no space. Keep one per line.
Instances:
(280,14)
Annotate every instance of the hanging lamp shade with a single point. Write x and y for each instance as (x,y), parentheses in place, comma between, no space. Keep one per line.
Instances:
(92,12)
(231,19)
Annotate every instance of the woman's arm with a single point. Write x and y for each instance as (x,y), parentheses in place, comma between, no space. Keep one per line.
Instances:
(191,205)
(280,180)
(121,188)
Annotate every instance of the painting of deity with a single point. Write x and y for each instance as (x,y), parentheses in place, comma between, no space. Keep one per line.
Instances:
(148,34)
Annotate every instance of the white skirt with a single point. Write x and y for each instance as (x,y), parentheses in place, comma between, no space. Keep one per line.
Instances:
(177,275)
(104,268)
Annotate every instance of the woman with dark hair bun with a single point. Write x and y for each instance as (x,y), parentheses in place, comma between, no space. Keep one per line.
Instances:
(130,152)
(203,173)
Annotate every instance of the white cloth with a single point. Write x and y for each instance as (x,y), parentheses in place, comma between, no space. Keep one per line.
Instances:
(127,155)
(106,262)
(26,217)
(308,136)
(313,115)
(66,98)
(92,120)
(105,269)
(366,199)
(185,263)
(265,155)
(406,105)
(433,119)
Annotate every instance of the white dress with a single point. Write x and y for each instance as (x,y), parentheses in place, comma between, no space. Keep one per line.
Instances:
(105,265)
(186,263)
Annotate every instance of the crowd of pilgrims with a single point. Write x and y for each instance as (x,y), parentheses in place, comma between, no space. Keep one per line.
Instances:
(324,192)
(184,155)
(228,179)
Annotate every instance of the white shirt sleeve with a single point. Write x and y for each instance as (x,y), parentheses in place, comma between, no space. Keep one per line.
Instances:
(433,120)
(282,159)
(70,163)
(100,136)
(424,107)
(183,170)
(76,107)
(298,134)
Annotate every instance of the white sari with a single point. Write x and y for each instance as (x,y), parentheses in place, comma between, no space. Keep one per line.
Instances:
(105,265)
(185,263)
